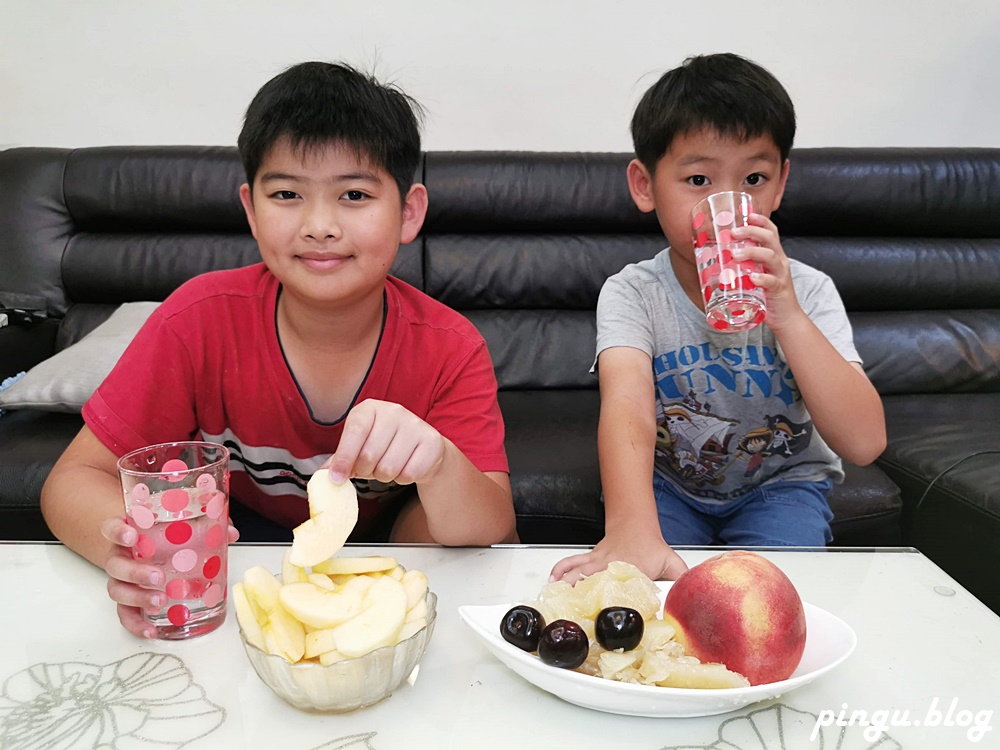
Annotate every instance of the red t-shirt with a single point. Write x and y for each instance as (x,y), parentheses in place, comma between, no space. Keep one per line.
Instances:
(208,365)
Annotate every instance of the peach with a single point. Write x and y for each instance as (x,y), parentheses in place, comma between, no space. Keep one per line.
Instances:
(740,610)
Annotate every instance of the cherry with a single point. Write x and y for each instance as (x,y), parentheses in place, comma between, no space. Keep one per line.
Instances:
(522,626)
(618,627)
(563,644)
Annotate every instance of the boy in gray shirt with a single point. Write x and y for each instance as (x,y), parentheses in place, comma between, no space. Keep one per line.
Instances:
(708,437)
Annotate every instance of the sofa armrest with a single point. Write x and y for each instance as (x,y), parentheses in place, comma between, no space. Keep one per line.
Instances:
(24,346)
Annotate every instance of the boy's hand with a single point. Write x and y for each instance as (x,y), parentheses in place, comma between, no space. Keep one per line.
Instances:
(776,280)
(134,586)
(650,554)
(384,441)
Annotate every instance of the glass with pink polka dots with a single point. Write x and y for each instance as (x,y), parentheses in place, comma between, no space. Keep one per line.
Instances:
(732,301)
(177,499)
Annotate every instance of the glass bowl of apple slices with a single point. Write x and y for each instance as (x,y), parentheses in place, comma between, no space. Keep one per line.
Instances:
(336,636)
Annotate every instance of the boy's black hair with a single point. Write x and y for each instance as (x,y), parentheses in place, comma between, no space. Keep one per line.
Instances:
(726,93)
(315,104)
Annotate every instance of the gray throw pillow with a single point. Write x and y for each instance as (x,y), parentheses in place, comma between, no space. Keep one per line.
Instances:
(66,380)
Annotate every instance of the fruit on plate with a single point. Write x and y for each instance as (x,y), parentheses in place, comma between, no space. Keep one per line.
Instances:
(629,643)
(563,644)
(522,627)
(739,609)
(618,628)
(333,512)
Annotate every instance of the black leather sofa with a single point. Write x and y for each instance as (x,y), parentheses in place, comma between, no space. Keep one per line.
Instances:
(521,243)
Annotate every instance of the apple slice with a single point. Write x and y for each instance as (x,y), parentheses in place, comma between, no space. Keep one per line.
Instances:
(318,607)
(333,511)
(320,642)
(378,624)
(417,612)
(262,587)
(284,635)
(415,583)
(330,657)
(246,618)
(398,572)
(410,629)
(318,579)
(291,573)
(354,565)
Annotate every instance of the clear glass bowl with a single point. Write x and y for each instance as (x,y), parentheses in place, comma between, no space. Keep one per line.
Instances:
(345,685)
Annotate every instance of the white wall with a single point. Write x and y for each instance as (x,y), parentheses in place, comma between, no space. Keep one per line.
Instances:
(517,74)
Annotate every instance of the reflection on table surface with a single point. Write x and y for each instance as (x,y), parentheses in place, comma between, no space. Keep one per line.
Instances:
(73,678)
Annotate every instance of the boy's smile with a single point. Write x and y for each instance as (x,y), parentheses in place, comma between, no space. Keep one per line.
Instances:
(696,165)
(328,222)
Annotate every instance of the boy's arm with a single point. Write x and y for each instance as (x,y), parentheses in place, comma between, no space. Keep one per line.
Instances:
(83,506)
(626,440)
(459,504)
(80,493)
(844,406)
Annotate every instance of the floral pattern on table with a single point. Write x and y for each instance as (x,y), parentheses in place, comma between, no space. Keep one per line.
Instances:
(144,701)
(781,727)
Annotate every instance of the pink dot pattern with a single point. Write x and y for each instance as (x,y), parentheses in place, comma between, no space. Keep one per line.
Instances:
(179,532)
(213,595)
(178,614)
(143,516)
(174,465)
(174,500)
(724,219)
(178,588)
(185,559)
(189,546)
(215,536)
(215,506)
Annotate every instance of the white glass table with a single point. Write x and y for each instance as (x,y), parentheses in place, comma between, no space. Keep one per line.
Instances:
(71,677)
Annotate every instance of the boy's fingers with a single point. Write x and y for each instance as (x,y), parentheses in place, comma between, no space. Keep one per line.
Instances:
(131,620)
(357,427)
(116,531)
(125,570)
(130,595)
(234,534)
(571,569)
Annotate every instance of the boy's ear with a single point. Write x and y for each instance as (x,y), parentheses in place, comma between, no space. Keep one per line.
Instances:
(246,198)
(414,212)
(640,185)
(781,185)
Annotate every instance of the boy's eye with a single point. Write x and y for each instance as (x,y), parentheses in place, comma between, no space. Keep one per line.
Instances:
(355,195)
(698,180)
(285,195)
(756,179)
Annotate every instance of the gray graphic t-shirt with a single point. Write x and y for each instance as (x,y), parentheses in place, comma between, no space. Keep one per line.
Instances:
(729,415)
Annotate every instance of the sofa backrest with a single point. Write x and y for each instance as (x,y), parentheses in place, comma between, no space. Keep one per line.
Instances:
(521,242)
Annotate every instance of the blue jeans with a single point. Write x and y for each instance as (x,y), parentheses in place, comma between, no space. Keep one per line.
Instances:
(779,514)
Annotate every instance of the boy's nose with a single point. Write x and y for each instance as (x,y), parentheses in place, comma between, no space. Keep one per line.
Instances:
(321,224)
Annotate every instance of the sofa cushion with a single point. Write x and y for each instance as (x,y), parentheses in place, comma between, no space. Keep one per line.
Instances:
(66,380)
(31,442)
(867,508)
(552,449)
(944,453)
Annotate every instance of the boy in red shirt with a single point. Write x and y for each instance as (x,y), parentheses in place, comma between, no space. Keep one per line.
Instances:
(316,357)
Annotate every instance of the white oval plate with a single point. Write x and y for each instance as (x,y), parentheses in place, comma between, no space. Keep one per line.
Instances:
(829,640)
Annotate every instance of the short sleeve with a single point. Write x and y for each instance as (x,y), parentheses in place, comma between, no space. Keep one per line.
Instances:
(822,303)
(148,396)
(466,411)
(623,318)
